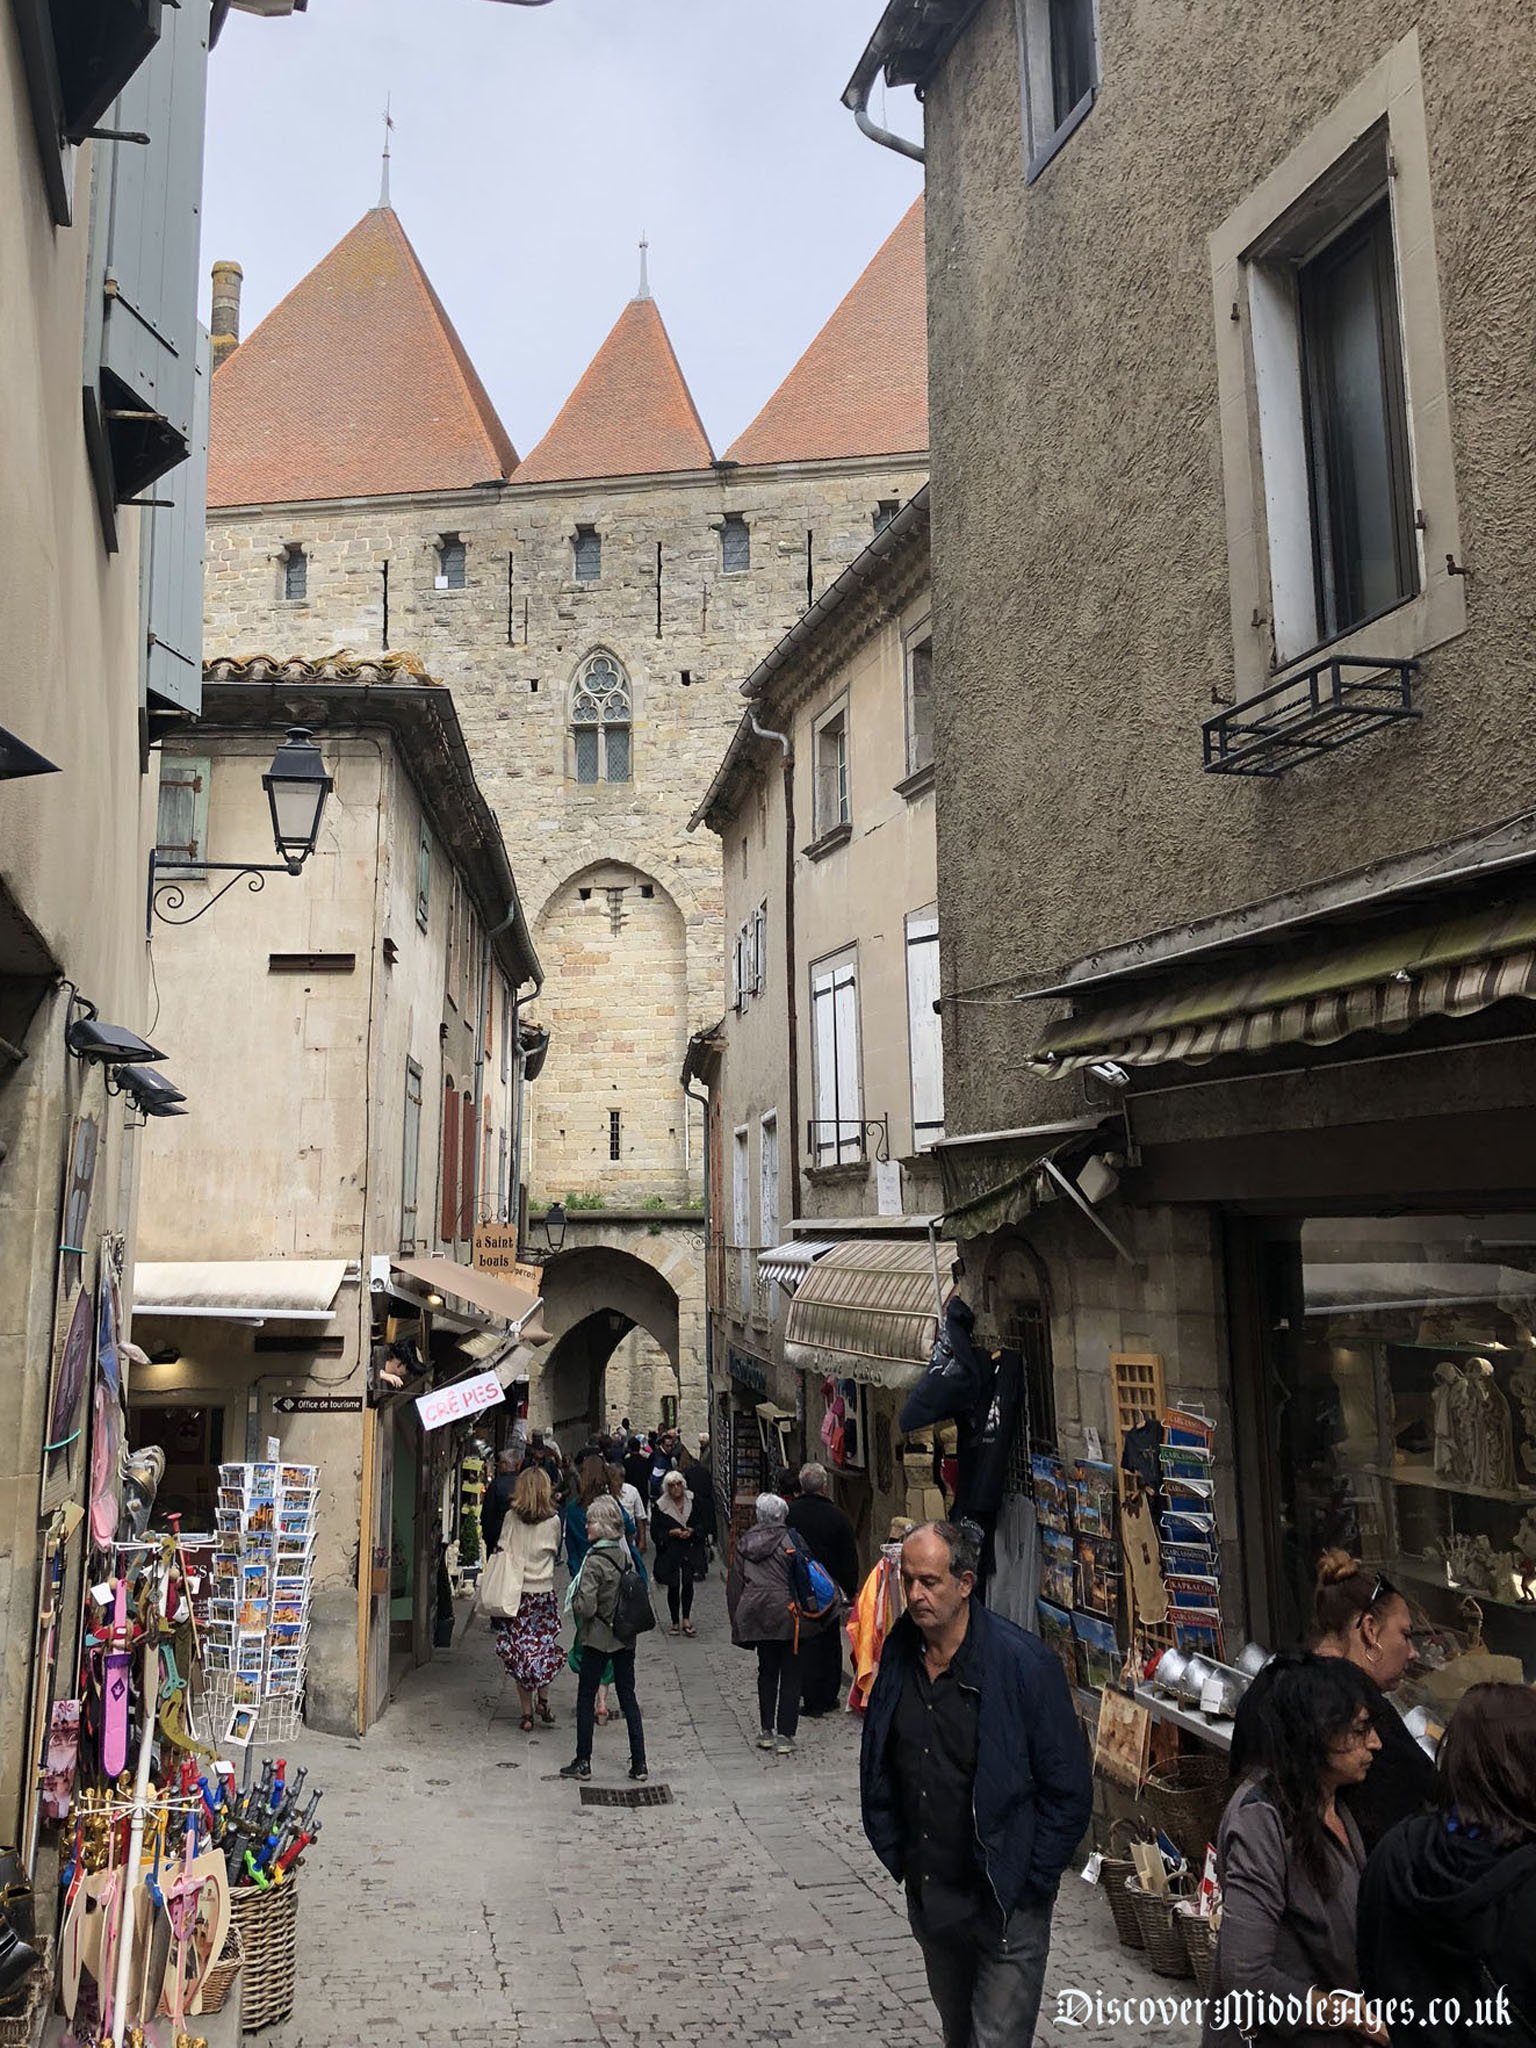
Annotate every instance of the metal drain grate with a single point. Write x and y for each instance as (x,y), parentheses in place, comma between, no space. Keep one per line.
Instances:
(626,1795)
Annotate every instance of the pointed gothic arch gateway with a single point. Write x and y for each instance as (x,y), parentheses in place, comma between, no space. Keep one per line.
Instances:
(602,719)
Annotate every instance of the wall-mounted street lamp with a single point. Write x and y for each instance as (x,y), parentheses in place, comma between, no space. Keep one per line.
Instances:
(297,786)
(554,1225)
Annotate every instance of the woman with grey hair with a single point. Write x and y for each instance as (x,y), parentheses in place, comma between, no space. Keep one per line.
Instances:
(592,1599)
(758,1593)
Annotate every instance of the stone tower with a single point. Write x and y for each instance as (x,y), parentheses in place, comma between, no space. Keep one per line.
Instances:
(592,608)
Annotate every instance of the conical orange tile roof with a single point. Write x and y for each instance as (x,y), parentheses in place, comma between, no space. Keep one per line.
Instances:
(355,386)
(631,413)
(861,388)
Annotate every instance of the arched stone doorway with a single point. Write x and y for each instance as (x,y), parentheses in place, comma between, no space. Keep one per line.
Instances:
(594,1296)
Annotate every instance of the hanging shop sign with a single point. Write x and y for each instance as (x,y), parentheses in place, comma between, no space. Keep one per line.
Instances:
(748,1371)
(496,1252)
(319,1404)
(463,1398)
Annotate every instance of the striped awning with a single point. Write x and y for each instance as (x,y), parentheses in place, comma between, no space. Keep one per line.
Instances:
(788,1264)
(1386,983)
(866,1311)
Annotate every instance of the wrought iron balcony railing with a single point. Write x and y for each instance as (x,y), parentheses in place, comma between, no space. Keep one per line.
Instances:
(1314,712)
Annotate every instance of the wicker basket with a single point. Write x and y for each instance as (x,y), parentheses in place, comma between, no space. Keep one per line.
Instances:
(1160,1933)
(1185,1799)
(19,2021)
(1113,1872)
(267,1924)
(1200,1941)
(215,1988)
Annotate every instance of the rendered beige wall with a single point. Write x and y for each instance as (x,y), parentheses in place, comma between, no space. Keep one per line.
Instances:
(72,845)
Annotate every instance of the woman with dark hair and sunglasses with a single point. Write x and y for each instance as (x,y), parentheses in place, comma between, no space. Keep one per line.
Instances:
(1358,1615)
(1289,1859)
(1448,1901)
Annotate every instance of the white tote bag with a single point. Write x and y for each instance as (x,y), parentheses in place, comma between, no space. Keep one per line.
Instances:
(501,1583)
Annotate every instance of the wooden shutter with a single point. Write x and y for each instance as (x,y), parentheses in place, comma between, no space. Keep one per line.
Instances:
(410,1172)
(181,824)
(142,333)
(924,1033)
(174,536)
(824,1068)
(448,1198)
(467,1152)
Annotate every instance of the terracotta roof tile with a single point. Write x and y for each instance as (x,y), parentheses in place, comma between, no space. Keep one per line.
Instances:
(631,413)
(356,385)
(861,388)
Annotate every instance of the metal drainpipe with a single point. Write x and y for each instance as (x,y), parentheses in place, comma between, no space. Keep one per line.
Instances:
(857,101)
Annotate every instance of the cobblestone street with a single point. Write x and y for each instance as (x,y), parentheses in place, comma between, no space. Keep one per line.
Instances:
(461,1893)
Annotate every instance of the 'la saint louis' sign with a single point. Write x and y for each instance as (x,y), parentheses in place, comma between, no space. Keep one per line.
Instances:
(463,1398)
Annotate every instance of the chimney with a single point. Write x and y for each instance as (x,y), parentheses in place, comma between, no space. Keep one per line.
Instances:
(226,310)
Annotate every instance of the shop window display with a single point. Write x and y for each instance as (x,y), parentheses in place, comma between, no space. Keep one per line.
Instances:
(1404,1416)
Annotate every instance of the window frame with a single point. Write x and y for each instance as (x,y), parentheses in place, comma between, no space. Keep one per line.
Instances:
(1045,137)
(424,878)
(829,976)
(451,543)
(410,1164)
(833,719)
(922,930)
(1369,232)
(1325,177)
(600,728)
(732,525)
(590,536)
(294,553)
(915,641)
(615,1137)
(449,1164)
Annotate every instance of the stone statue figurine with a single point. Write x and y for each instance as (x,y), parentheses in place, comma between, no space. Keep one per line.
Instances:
(1451,1445)
(1491,1431)
(1522,1384)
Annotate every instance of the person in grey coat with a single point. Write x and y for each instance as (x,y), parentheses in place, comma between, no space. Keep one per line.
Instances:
(592,1598)
(1289,1858)
(757,1593)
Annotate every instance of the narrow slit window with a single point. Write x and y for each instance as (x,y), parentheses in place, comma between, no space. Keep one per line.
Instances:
(615,1134)
(452,562)
(588,547)
(295,574)
(735,546)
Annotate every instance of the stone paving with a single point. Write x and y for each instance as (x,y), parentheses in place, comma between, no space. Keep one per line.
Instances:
(460,1892)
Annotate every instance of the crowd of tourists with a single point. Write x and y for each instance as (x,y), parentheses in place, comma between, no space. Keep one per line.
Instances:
(1367,1891)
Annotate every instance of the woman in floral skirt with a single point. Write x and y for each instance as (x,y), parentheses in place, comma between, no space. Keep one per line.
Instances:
(529,1643)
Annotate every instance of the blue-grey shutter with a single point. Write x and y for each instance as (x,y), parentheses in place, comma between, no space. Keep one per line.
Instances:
(152,193)
(173,557)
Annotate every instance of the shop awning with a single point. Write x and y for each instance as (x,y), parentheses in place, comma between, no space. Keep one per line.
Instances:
(788,1264)
(1388,982)
(866,1311)
(482,1290)
(239,1290)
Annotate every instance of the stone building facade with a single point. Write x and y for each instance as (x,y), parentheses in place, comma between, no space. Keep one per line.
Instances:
(1240,915)
(592,609)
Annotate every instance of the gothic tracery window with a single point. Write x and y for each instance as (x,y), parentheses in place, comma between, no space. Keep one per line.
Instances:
(600,721)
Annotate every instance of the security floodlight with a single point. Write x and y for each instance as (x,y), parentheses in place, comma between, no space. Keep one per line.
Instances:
(1111,1073)
(107,1045)
(147,1086)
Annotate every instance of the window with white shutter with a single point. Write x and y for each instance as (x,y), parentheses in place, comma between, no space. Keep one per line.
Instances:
(837,1132)
(411,1165)
(925,1043)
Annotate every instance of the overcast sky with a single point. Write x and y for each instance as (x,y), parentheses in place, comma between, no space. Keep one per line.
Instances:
(532,145)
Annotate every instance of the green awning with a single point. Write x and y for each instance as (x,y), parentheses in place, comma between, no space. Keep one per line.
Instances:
(1388,982)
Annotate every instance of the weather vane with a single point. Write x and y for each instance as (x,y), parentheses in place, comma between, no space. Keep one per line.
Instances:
(388,125)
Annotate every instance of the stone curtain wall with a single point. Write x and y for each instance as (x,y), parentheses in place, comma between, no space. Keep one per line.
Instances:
(512,692)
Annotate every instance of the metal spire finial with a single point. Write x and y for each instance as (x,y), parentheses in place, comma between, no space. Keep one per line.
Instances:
(645,282)
(384,181)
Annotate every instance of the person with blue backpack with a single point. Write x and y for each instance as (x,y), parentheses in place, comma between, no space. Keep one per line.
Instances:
(777,1595)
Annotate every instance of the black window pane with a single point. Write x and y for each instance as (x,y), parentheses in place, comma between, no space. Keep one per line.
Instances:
(1071,54)
(1363,531)
(295,573)
(589,554)
(735,547)
(453,554)
(617,763)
